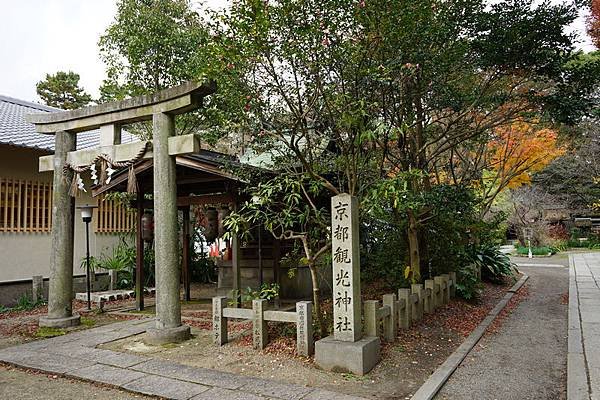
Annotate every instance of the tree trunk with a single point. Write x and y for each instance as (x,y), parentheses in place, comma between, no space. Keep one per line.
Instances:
(413,246)
(316,297)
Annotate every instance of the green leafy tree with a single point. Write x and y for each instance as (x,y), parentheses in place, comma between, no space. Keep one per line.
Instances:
(155,44)
(62,90)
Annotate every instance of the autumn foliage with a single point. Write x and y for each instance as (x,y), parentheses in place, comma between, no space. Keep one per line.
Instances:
(519,150)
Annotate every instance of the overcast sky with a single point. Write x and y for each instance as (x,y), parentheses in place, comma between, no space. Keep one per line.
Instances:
(45,36)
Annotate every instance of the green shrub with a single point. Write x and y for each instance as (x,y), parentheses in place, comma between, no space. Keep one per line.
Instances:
(495,265)
(468,285)
(536,251)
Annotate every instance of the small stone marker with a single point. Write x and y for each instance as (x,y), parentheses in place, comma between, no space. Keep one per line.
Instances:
(305,344)
(113,279)
(259,325)
(37,289)
(346,268)
(219,322)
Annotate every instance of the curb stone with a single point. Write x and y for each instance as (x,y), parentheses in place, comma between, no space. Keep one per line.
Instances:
(439,377)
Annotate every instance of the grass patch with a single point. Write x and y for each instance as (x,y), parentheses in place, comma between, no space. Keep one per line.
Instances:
(169,345)
(87,322)
(45,332)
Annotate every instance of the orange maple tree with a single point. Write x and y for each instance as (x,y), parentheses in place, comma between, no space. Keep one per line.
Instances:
(515,152)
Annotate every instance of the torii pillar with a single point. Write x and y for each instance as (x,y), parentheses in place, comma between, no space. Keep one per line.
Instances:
(161,108)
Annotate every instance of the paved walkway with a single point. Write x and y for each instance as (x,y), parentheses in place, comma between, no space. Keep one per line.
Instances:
(584,327)
(75,355)
(526,359)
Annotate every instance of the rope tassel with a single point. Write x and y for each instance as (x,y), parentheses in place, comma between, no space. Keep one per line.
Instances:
(103,173)
(74,189)
(131,181)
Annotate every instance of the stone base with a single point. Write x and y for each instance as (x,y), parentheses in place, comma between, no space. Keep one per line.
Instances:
(356,357)
(67,322)
(157,336)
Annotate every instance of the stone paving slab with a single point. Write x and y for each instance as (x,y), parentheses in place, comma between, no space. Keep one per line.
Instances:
(196,375)
(106,374)
(55,363)
(276,389)
(583,367)
(225,394)
(165,387)
(76,355)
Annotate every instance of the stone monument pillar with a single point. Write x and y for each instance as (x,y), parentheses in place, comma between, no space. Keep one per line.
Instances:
(347,349)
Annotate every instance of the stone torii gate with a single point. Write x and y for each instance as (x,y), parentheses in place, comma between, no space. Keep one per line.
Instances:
(161,108)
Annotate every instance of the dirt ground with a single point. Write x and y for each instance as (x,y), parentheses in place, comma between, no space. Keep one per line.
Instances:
(406,363)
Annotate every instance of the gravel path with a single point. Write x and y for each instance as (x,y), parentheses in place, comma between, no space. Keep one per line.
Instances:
(527,358)
(16,384)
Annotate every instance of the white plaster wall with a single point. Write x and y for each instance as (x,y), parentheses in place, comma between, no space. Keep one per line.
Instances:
(23,255)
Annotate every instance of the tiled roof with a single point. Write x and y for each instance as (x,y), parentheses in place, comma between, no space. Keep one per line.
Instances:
(15,131)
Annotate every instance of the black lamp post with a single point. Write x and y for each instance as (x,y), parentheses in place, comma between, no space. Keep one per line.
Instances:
(86,215)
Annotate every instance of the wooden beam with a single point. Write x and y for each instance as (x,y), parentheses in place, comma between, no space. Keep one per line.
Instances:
(185,257)
(139,255)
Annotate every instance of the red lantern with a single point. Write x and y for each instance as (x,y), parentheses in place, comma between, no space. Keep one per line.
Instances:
(212,224)
(147,227)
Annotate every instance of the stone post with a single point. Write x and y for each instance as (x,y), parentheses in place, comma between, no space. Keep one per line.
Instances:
(305,342)
(440,295)
(391,329)
(168,309)
(219,322)
(406,311)
(260,335)
(346,268)
(37,289)
(417,289)
(371,321)
(446,278)
(453,287)
(430,284)
(60,289)
(427,301)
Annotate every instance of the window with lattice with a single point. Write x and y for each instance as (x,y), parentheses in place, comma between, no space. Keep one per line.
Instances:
(114,217)
(25,205)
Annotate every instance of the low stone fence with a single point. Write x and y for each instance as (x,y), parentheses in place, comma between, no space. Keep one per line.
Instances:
(400,312)
(259,315)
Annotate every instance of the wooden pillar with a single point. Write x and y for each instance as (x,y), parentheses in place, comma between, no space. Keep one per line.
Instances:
(60,291)
(185,257)
(235,269)
(276,272)
(139,254)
